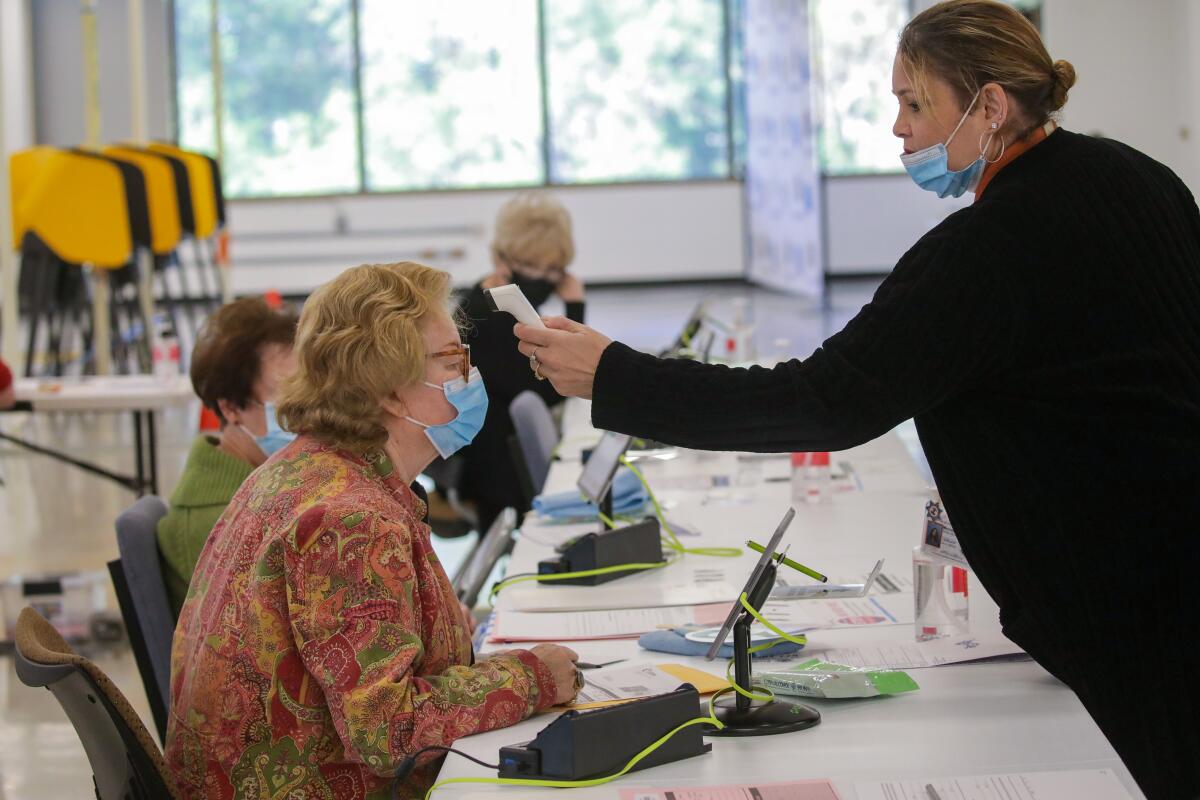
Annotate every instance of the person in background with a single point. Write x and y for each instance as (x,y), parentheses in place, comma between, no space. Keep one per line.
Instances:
(532,247)
(322,645)
(8,397)
(242,353)
(1046,341)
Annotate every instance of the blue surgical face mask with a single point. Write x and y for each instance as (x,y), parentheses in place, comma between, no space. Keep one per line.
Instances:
(930,167)
(470,398)
(276,438)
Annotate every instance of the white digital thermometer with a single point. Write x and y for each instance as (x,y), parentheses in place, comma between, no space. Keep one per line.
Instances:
(511,299)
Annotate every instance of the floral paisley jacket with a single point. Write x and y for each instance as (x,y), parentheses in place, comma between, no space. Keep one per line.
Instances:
(321,643)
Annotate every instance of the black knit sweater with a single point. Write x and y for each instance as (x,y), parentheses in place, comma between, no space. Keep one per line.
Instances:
(490,477)
(1046,340)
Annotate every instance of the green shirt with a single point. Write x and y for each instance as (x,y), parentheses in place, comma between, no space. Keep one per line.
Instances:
(209,480)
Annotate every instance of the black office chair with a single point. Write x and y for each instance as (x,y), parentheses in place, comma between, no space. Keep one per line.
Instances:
(537,435)
(453,517)
(126,763)
(145,606)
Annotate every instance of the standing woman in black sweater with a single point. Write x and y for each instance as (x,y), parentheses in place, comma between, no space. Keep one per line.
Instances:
(532,247)
(1046,340)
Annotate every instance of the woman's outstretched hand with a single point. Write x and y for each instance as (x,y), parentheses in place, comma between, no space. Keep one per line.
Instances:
(565,352)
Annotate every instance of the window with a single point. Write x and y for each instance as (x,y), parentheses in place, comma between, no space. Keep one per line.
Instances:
(636,90)
(855,43)
(287,91)
(451,94)
(335,96)
(194,88)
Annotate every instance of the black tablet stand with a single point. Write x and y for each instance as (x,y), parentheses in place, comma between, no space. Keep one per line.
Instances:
(606,509)
(740,715)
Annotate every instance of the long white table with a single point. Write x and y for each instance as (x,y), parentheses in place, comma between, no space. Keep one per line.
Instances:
(141,395)
(966,719)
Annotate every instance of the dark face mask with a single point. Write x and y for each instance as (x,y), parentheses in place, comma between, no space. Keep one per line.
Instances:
(538,290)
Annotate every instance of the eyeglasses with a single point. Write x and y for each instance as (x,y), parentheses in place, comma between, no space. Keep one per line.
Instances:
(462,353)
(551,273)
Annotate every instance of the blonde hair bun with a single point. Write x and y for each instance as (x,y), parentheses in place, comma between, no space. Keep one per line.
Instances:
(1064,79)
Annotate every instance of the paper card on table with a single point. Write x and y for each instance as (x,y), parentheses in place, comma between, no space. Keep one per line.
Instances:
(952,650)
(705,682)
(631,592)
(1094,784)
(619,684)
(792,790)
(620,623)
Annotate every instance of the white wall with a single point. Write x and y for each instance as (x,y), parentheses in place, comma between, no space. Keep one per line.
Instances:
(17,68)
(1138,79)
(1187,43)
(622,233)
(58,69)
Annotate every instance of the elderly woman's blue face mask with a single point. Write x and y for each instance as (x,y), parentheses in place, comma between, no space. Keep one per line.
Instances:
(469,398)
(276,438)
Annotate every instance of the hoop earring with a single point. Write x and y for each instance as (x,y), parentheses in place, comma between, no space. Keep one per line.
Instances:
(983,146)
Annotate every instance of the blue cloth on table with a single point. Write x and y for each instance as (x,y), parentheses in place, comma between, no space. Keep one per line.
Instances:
(676,643)
(628,495)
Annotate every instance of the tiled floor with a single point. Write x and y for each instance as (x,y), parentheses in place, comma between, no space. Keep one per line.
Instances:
(55,518)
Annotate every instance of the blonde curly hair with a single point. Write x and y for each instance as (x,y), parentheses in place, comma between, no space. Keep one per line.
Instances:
(534,227)
(359,340)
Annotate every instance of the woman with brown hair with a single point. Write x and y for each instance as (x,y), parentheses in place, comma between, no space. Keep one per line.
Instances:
(242,353)
(1046,339)
(321,648)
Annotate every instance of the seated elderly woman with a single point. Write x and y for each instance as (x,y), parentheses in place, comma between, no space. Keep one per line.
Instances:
(321,643)
(241,354)
(532,247)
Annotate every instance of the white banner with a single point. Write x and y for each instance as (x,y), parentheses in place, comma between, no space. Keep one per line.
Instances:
(782,176)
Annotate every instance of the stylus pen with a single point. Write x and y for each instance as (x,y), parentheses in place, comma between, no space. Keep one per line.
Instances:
(812,573)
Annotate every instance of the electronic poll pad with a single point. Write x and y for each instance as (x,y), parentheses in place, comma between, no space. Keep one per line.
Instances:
(602,555)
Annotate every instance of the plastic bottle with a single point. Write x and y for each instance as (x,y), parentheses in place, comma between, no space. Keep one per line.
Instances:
(799,478)
(940,597)
(820,488)
(811,478)
(165,350)
(741,340)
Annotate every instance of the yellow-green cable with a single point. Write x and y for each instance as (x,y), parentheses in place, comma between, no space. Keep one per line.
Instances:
(747,692)
(801,639)
(583,573)
(671,539)
(709,720)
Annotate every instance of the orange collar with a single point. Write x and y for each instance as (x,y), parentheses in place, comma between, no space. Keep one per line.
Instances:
(1011,154)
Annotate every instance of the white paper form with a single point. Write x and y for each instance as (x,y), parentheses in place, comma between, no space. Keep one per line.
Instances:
(624,683)
(691,583)
(850,612)
(952,650)
(1099,784)
(792,790)
(625,623)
